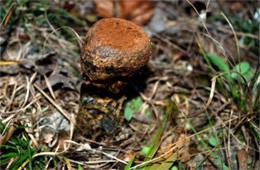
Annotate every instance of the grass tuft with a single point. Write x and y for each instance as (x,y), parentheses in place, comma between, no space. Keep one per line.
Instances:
(17,152)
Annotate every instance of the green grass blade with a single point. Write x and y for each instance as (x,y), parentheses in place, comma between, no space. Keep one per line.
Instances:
(20,159)
(8,155)
(29,150)
(79,167)
(69,15)
(206,58)
(156,139)
(8,147)
(128,166)
(4,161)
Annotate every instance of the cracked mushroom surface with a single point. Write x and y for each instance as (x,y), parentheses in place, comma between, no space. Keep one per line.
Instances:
(114,50)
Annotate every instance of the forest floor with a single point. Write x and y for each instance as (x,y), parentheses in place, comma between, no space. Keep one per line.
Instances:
(195,107)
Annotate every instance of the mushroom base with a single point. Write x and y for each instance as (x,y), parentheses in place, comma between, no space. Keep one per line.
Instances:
(100,113)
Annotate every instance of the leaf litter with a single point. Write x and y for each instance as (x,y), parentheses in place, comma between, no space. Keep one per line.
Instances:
(40,80)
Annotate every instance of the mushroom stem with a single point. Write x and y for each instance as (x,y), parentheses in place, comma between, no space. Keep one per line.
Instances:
(100,109)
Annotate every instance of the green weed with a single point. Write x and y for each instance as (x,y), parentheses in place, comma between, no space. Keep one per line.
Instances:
(133,106)
(242,81)
(152,149)
(39,13)
(128,166)
(217,159)
(19,152)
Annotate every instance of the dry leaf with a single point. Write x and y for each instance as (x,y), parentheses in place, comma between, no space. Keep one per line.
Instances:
(138,11)
(63,136)
(242,159)
(182,148)
(57,74)
(183,144)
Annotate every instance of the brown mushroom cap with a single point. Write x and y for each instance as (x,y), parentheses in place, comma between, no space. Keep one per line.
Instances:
(114,48)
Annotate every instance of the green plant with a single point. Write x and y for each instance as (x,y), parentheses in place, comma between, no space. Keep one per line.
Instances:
(133,106)
(38,12)
(217,159)
(128,166)
(152,149)
(18,152)
(242,81)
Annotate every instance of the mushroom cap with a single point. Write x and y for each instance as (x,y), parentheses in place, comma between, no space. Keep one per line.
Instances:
(114,48)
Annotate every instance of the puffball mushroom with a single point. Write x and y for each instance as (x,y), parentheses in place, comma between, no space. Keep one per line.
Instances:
(114,48)
(113,51)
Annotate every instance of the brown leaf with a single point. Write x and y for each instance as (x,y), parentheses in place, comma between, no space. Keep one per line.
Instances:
(242,159)
(182,148)
(57,74)
(63,136)
(138,11)
(184,143)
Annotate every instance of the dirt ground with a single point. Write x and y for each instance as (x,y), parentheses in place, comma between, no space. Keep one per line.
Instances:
(195,105)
